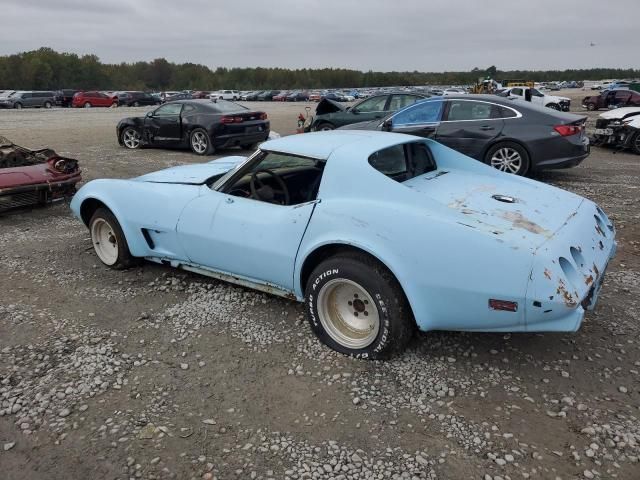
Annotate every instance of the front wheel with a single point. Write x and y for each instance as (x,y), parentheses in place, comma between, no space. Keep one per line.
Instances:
(17,105)
(554,106)
(87,105)
(325,127)
(136,104)
(508,157)
(356,307)
(109,241)
(47,104)
(200,142)
(130,138)
(249,146)
(591,107)
(635,143)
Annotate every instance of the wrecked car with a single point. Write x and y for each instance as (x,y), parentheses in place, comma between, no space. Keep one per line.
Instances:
(34,177)
(331,114)
(202,125)
(508,134)
(619,128)
(612,99)
(425,238)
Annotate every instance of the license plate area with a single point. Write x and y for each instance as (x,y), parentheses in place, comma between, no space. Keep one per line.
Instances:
(254,129)
(604,131)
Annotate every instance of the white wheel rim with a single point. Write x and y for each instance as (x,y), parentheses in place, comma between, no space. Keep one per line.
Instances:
(131,138)
(507,160)
(325,128)
(348,313)
(199,142)
(87,105)
(105,242)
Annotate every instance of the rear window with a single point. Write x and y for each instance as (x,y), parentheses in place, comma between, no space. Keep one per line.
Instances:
(403,162)
(224,106)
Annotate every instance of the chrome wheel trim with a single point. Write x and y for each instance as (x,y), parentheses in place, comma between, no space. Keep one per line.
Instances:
(105,242)
(199,142)
(507,159)
(131,138)
(348,313)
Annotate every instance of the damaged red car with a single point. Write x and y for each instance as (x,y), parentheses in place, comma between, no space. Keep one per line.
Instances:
(34,177)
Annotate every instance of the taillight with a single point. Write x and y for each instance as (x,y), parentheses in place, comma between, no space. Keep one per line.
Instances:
(230,119)
(568,130)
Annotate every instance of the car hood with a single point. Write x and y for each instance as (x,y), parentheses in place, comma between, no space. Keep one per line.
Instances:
(196,174)
(329,106)
(618,113)
(556,98)
(516,210)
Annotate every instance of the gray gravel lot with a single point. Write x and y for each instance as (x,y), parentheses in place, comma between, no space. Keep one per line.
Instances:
(154,373)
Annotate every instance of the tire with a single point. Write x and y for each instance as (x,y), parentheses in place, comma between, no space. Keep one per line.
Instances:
(379,307)
(17,105)
(130,138)
(136,104)
(113,252)
(200,142)
(325,127)
(591,107)
(87,105)
(47,105)
(509,157)
(635,143)
(555,106)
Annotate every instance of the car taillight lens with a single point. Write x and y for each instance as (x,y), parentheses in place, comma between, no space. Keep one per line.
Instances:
(230,119)
(568,130)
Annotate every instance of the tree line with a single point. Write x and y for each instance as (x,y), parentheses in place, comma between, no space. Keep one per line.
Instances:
(46,69)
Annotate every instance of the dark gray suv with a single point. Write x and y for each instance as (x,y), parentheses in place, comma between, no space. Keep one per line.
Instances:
(29,99)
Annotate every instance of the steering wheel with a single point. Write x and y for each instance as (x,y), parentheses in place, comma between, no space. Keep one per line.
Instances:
(261,191)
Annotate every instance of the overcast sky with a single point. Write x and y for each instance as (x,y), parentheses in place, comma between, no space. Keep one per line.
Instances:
(382,35)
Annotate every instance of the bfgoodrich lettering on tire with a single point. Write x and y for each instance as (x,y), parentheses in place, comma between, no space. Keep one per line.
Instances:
(355,306)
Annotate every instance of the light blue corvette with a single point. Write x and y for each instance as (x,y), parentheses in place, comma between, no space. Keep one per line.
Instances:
(376,232)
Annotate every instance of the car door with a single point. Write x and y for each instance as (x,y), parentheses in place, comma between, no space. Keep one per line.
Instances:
(517,92)
(27,99)
(244,237)
(622,98)
(468,125)
(370,109)
(420,119)
(102,100)
(163,126)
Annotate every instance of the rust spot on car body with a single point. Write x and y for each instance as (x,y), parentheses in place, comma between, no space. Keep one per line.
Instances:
(588,280)
(547,273)
(566,295)
(520,221)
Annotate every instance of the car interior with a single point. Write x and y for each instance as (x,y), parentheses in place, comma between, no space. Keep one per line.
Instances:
(277,178)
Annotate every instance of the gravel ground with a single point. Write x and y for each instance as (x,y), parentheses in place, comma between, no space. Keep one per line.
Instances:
(154,373)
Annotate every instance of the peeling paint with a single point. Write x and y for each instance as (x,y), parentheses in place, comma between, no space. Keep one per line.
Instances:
(547,273)
(520,221)
(566,295)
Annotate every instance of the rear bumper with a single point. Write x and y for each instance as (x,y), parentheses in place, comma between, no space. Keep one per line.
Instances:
(569,270)
(234,140)
(561,153)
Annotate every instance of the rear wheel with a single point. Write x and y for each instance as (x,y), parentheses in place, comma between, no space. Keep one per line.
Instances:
(87,105)
(108,240)
(591,107)
(130,138)
(200,142)
(17,105)
(136,104)
(325,127)
(355,306)
(635,143)
(555,106)
(508,157)
(47,104)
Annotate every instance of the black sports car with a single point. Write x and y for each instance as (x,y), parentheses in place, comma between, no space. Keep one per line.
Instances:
(202,125)
(511,135)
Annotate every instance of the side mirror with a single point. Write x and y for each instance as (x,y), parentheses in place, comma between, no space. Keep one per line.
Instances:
(354,110)
(150,114)
(387,125)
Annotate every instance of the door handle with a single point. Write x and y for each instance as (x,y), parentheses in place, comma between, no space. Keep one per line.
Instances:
(486,127)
